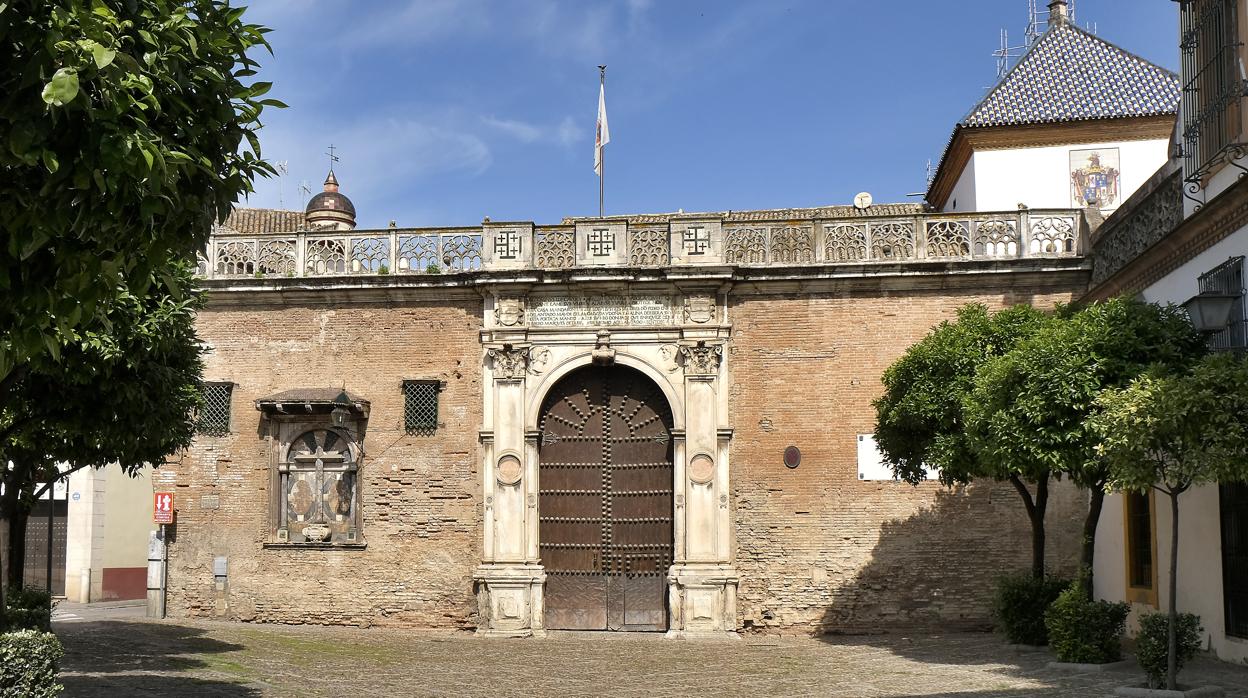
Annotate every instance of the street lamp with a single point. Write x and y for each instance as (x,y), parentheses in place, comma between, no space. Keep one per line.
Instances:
(1210,312)
(342,410)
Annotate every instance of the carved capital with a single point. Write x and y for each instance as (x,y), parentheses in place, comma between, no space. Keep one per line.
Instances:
(702,358)
(509,361)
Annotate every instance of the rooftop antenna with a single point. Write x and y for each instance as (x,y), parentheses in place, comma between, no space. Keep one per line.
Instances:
(1005,53)
(305,187)
(283,169)
(931,173)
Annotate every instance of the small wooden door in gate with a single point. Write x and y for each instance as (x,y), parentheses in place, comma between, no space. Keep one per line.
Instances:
(606,501)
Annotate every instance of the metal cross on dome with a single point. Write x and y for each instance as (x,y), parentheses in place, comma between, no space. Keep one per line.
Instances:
(332,158)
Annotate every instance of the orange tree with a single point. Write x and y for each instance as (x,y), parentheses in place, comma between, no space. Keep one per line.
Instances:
(1171,432)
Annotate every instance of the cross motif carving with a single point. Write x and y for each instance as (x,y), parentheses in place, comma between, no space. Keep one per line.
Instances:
(601,242)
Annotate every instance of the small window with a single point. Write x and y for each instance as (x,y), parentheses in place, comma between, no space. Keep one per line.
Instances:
(420,406)
(1141,548)
(214,415)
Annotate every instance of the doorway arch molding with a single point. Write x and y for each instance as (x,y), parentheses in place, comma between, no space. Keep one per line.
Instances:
(547,380)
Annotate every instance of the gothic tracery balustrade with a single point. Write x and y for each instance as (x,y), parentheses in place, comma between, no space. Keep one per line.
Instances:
(742,242)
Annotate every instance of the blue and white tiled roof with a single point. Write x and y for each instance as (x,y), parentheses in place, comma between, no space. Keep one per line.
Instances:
(1071,75)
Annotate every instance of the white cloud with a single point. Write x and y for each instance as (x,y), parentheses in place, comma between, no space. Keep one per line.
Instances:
(566,133)
(521,131)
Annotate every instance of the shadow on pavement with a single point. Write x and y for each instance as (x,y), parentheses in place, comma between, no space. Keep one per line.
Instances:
(144,660)
(153,685)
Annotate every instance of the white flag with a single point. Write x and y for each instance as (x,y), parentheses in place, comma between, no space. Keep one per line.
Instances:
(602,135)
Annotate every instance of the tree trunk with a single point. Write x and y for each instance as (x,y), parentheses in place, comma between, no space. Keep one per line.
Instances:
(1172,653)
(4,543)
(1096,503)
(17,547)
(1035,512)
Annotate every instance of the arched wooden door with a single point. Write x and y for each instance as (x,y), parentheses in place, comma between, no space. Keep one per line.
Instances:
(606,501)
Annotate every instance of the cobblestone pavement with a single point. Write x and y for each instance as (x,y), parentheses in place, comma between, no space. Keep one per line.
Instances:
(130,656)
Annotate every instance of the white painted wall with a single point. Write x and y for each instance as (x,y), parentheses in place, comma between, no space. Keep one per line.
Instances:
(962,197)
(107,526)
(1040,177)
(1200,549)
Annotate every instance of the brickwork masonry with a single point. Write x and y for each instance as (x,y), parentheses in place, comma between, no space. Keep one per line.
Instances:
(818,549)
(420,494)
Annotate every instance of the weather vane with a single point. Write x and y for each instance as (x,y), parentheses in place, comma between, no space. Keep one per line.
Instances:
(332,158)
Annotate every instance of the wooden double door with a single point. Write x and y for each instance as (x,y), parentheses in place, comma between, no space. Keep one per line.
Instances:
(606,501)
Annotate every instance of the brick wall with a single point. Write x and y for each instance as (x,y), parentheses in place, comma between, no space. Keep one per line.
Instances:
(816,547)
(419,494)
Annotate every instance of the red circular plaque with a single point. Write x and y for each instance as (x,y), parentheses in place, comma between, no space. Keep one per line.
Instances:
(792,457)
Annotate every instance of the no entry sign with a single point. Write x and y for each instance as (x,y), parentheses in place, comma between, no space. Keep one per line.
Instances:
(162,511)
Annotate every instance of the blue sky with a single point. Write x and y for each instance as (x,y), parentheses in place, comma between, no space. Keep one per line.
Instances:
(447,111)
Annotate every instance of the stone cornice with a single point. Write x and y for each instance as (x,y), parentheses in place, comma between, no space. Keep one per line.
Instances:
(455,288)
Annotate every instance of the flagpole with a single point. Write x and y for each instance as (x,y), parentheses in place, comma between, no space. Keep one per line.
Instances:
(602,152)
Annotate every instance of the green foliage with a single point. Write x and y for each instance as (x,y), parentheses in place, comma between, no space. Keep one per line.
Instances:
(919,419)
(1019,605)
(122,126)
(1084,631)
(29,609)
(433,268)
(1152,644)
(1030,407)
(29,662)
(1178,430)
(124,392)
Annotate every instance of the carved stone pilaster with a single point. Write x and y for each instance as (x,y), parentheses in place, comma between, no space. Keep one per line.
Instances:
(701,359)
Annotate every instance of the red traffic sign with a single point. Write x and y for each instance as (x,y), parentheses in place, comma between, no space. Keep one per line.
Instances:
(162,510)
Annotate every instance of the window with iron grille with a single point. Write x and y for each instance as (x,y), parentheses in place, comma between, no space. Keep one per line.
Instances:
(214,415)
(1228,278)
(1212,82)
(1234,507)
(420,406)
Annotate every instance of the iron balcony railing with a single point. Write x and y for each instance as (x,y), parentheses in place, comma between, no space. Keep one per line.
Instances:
(616,242)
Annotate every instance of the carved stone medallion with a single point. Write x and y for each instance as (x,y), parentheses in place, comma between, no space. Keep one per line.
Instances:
(701,469)
(509,312)
(509,470)
(699,308)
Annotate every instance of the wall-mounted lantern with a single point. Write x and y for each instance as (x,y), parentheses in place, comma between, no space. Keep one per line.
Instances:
(1210,312)
(342,410)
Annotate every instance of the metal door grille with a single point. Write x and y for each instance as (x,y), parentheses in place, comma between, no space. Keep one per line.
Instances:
(1234,507)
(606,501)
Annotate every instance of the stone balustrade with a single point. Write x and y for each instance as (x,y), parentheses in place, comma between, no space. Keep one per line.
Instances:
(621,242)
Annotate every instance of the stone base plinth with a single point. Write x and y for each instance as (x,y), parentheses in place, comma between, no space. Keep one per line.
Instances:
(703,600)
(509,600)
